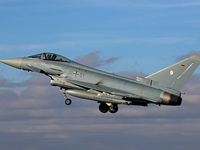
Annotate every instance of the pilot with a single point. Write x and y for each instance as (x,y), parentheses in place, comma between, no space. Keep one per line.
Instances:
(43,56)
(54,57)
(49,57)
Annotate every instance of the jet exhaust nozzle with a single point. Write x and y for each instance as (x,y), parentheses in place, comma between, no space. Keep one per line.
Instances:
(170,99)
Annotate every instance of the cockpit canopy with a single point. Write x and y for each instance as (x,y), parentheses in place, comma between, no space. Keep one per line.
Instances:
(51,57)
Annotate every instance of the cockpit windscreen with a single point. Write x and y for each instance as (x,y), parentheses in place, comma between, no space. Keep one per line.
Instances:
(51,57)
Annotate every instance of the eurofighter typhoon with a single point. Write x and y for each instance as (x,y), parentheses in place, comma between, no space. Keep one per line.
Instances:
(109,90)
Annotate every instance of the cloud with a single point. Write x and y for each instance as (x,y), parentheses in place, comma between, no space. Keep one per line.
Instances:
(189,54)
(57,136)
(35,117)
(93,59)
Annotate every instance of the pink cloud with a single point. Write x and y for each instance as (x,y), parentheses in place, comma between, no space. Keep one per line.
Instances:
(93,59)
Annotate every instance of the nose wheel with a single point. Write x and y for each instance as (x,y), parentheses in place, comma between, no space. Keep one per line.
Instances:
(67,100)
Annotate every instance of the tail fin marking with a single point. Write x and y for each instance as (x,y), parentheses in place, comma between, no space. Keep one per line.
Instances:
(175,76)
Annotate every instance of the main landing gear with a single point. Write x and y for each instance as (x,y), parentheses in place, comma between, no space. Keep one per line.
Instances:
(104,108)
(67,100)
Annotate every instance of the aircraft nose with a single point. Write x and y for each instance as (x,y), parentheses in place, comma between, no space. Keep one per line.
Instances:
(13,62)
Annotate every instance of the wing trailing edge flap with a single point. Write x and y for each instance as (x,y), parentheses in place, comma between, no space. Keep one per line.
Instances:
(102,88)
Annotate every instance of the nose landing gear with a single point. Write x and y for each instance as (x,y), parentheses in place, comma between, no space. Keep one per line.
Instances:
(67,100)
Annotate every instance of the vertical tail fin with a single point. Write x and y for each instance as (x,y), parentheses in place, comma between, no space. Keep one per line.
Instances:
(176,76)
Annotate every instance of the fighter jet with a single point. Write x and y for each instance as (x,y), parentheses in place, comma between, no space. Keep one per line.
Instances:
(110,90)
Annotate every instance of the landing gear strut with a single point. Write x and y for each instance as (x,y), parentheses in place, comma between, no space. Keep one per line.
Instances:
(67,100)
(104,108)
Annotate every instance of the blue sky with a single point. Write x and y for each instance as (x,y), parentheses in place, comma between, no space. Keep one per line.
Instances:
(137,32)
(145,36)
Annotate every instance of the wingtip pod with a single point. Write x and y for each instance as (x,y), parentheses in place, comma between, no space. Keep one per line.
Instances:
(196,58)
